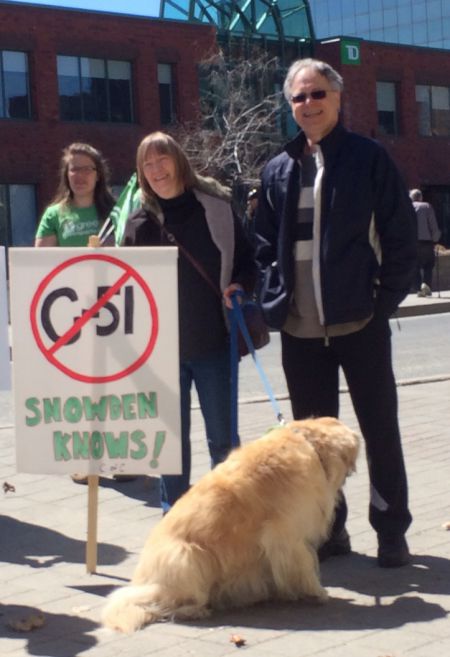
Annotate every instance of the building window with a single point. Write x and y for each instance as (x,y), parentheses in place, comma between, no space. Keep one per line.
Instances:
(433,107)
(94,89)
(387,108)
(14,85)
(166,93)
(17,215)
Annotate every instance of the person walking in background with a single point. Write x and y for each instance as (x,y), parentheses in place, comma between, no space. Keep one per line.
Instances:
(195,211)
(337,256)
(82,201)
(428,234)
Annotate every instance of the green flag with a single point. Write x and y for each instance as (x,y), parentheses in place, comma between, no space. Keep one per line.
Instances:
(128,201)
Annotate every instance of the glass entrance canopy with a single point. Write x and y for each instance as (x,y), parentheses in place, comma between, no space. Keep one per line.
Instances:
(282,20)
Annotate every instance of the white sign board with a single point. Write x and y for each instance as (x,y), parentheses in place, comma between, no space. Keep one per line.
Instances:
(96,366)
(5,368)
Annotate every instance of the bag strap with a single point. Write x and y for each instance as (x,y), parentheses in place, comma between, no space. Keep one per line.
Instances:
(237,321)
(173,240)
(234,356)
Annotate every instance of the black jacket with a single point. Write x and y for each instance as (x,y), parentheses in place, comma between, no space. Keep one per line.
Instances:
(367,252)
(211,234)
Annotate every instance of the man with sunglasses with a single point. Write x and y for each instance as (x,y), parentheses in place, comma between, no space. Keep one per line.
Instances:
(337,255)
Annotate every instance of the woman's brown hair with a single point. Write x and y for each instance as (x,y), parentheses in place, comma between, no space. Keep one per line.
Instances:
(103,199)
(163,144)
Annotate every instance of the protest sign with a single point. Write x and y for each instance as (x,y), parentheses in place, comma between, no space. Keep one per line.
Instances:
(96,365)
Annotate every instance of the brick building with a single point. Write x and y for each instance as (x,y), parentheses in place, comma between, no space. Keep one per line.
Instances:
(400,95)
(108,79)
(134,74)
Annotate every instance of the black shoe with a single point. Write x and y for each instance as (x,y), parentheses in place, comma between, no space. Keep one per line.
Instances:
(337,545)
(124,477)
(393,552)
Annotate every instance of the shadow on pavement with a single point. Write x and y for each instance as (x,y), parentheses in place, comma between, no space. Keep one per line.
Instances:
(61,635)
(39,547)
(143,488)
(357,572)
(426,575)
(337,614)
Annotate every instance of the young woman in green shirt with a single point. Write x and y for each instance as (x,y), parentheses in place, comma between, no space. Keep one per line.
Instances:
(81,204)
(82,201)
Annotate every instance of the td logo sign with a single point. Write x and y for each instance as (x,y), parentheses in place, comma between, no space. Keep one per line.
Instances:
(350,52)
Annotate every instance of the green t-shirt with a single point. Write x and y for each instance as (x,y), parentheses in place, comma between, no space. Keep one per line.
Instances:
(72,226)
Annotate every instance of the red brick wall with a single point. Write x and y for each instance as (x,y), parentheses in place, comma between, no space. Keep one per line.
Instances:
(30,150)
(422,160)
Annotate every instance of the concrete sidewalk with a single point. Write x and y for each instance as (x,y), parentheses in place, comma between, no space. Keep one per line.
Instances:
(413,305)
(371,612)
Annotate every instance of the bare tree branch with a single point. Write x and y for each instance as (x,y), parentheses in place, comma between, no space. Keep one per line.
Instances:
(240,123)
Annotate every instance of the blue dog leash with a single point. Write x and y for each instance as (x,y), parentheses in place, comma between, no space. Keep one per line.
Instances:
(237,323)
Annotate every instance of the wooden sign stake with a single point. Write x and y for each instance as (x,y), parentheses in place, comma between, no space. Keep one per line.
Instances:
(91,545)
(93,482)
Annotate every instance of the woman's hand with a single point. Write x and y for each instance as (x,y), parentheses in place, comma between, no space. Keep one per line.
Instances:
(227,293)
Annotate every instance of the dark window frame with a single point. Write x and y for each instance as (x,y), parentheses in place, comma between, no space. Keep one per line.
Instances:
(430,117)
(388,122)
(6,227)
(102,108)
(167,93)
(4,110)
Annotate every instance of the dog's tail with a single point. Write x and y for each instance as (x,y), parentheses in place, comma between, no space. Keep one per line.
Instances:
(132,607)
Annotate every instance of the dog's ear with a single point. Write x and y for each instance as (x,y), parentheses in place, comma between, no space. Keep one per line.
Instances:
(335,444)
(349,453)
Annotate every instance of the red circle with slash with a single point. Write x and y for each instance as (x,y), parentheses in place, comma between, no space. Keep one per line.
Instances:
(127,273)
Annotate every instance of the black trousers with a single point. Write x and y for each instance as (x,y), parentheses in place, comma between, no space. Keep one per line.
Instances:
(425,263)
(312,374)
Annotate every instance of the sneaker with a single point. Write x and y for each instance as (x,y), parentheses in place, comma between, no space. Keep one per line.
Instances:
(337,545)
(393,552)
(425,290)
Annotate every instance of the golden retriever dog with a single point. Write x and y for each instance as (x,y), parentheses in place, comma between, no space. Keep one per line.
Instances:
(248,531)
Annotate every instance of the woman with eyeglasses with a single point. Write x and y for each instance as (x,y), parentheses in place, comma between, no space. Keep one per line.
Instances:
(80,206)
(82,201)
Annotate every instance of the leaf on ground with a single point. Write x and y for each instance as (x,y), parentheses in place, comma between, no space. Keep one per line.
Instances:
(27,623)
(237,640)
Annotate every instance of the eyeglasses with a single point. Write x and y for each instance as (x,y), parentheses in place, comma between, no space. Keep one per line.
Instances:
(318,94)
(85,169)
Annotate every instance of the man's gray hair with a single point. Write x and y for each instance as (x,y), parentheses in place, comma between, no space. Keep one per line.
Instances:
(328,72)
(415,195)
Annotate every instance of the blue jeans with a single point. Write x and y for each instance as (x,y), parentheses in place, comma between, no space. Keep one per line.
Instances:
(211,376)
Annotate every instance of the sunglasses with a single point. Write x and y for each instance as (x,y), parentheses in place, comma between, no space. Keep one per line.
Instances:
(319,94)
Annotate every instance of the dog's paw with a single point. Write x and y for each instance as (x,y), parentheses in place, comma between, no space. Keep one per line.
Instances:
(191,612)
(319,597)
